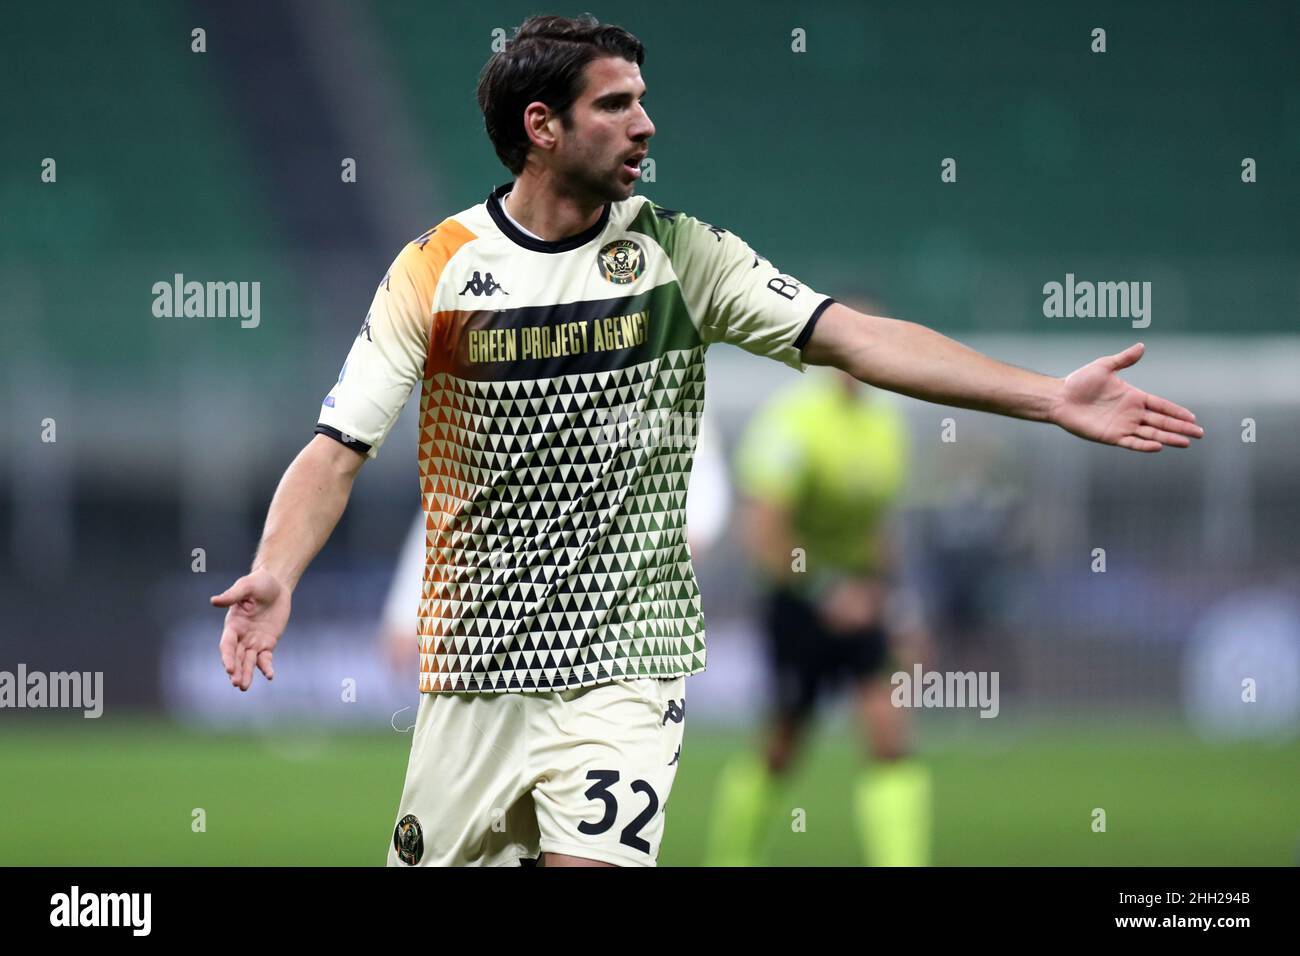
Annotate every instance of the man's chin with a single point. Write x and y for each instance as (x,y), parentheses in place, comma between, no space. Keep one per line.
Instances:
(620,189)
(614,189)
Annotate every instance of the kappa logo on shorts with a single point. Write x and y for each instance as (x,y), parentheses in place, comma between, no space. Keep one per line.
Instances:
(408,840)
(675,712)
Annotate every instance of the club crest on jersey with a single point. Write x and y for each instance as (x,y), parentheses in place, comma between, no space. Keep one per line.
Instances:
(621,261)
(408,840)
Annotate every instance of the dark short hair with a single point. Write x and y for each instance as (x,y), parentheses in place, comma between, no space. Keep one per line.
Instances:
(543,61)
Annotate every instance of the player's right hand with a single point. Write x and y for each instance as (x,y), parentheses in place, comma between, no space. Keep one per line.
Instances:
(258,612)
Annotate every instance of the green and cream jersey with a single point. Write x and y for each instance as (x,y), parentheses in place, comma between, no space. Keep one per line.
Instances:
(561,385)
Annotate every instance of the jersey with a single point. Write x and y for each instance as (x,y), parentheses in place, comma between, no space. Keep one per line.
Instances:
(708,505)
(561,385)
(835,462)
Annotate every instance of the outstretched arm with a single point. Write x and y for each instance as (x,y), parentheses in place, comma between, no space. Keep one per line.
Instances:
(306,507)
(1092,402)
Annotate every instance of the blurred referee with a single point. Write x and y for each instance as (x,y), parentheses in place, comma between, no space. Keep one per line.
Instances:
(820,466)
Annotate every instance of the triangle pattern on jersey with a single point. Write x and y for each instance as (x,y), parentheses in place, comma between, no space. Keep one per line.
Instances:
(556,541)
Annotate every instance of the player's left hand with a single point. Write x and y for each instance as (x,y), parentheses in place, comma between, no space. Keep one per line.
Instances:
(1097,404)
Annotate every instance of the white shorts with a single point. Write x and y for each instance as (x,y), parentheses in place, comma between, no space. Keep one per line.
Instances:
(494,779)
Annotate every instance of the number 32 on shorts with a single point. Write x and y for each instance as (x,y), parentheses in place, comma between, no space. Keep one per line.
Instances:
(605,789)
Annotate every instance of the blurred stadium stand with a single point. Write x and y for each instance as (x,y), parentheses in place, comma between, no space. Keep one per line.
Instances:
(225,165)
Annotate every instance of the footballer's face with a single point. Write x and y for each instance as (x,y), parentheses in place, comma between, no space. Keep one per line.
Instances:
(598,155)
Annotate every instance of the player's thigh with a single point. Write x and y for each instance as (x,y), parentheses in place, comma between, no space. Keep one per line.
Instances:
(465,800)
(605,760)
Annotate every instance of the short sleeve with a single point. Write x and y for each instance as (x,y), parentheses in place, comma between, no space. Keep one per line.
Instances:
(386,360)
(740,297)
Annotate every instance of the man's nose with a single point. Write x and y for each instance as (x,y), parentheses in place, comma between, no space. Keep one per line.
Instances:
(643,128)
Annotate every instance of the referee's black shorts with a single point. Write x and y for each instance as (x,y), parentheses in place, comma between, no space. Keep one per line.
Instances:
(808,660)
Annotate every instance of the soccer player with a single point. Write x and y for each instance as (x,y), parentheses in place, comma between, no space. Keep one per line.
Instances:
(557,333)
(821,466)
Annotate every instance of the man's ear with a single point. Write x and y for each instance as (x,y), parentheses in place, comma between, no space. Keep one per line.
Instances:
(540,122)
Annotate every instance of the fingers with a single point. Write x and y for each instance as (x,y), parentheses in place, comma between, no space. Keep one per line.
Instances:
(237,677)
(1162,436)
(1178,425)
(232,654)
(241,660)
(246,662)
(1165,407)
(264,665)
(232,595)
(229,641)
(1121,360)
(1139,444)
(1157,431)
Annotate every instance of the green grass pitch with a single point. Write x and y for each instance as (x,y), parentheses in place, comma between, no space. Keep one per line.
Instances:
(123,794)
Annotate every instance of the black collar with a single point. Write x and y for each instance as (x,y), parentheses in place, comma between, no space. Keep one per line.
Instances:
(540,245)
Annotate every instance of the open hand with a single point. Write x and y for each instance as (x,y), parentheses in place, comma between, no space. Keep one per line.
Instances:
(1097,404)
(259,610)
